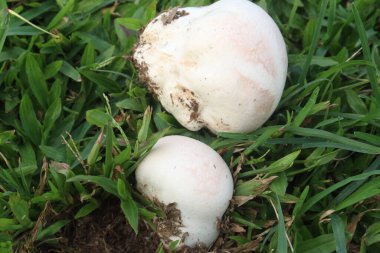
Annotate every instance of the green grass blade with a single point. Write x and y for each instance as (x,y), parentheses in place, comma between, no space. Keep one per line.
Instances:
(131,212)
(6,136)
(332,14)
(8,225)
(344,65)
(101,80)
(122,189)
(252,187)
(29,121)
(367,190)
(268,132)
(20,209)
(370,138)
(348,190)
(348,143)
(299,204)
(30,14)
(367,54)
(51,230)
(106,183)
(314,42)
(10,182)
(372,234)
(339,229)
(292,15)
(5,242)
(304,112)
(52,69)
(59,16)
(144,130)
(36,80)
(94,153)
(97,117)
(87,209)
(237,218)
(109,144)
(278,166)
(323,243)
(309,143)
(356,104)
(312,201)
(282,244)
(4,22)
(51,116)
(57,154)
(88,56)
(70,71)
(15,14)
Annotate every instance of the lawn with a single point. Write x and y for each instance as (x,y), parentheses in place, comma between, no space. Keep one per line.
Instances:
(75,121)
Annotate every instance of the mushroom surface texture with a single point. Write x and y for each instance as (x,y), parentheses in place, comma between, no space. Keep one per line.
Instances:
(186,173)
(221,66)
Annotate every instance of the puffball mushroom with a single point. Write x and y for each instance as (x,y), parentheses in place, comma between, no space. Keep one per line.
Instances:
(222,66)
(189,173)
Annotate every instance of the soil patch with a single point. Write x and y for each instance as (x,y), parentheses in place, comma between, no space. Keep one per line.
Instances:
(106,231)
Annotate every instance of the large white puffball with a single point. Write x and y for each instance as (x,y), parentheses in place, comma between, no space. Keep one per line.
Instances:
(189,173)
(222,66)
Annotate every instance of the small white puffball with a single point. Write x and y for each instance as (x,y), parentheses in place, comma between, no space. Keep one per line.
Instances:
(189,173)
(221,66)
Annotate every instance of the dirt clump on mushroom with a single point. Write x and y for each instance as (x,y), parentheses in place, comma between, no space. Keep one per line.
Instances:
(170,224)
(144,77)
(172,14)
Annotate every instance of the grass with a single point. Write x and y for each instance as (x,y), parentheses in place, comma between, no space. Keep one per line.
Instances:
(75,122)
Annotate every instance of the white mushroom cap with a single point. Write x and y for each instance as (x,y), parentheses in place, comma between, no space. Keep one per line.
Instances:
(187,172)
(222,66)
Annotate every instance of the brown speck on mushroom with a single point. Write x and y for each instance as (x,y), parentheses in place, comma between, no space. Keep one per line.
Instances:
(172,14)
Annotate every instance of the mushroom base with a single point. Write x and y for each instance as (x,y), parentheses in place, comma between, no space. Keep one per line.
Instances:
(169,228)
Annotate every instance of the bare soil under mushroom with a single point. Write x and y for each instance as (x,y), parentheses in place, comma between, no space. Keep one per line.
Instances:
(106,231)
